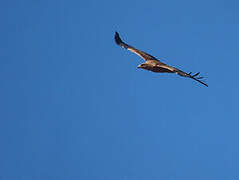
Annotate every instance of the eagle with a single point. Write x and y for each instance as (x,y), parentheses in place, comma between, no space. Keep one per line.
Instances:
(153,64)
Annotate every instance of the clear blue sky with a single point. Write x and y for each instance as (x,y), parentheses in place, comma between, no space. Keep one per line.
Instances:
(74,106)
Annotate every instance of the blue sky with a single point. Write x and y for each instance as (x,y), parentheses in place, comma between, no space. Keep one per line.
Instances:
(74,105)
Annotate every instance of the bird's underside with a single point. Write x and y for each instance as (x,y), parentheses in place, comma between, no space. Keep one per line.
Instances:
(153,64)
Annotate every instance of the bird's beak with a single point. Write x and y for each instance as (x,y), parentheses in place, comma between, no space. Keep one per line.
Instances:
(139,66)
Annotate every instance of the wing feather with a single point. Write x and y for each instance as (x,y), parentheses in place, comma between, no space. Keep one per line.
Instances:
(182,73)
(142,54)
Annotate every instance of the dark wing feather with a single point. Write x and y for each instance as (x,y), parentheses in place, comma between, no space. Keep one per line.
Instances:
(142,54)
(194,77)
(181,73)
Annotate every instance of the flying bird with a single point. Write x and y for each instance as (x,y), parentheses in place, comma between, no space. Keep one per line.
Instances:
(153,64)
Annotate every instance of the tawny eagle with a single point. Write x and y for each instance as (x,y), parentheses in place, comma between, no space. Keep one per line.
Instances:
(153,64)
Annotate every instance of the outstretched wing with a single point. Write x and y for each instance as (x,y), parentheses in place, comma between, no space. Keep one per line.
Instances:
(142,54)
(190,75)
(167,68)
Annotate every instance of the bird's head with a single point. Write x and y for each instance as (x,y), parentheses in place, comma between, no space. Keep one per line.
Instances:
(142,66)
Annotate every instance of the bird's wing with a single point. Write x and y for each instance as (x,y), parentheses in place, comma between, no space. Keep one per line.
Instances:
(192,76)
(184,74)
(142,54)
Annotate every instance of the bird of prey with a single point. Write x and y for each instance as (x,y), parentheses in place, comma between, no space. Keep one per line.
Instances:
(153,64)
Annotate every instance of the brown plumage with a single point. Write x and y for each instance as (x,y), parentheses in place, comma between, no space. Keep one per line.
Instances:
(153,64)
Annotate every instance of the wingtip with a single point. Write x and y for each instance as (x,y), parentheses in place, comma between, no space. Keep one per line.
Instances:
(117,38)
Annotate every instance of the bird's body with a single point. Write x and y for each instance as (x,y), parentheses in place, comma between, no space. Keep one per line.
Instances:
(153,64)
